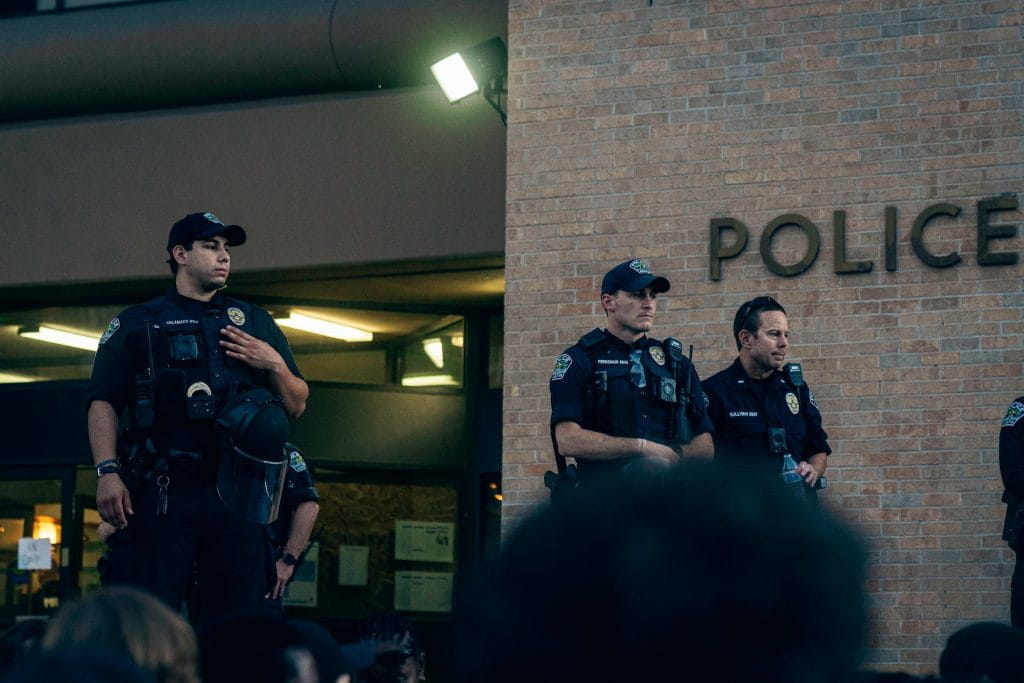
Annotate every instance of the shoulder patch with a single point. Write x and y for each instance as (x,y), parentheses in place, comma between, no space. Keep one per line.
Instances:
(810,395)
(113,327)
(1013,414)
(296,462)
(562,364)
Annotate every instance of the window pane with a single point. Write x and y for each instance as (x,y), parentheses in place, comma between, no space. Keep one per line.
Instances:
(434,359)
(30,509)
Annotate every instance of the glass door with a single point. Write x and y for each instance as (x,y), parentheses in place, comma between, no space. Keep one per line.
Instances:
(35,510)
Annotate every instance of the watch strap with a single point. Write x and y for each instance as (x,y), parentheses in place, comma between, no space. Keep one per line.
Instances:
(107,467)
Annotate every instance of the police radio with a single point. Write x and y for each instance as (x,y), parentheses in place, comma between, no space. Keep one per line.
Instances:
(144,389)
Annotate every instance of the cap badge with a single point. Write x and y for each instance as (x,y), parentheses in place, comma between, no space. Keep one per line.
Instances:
(213,219)
(236,316)
(658,355)
(793,402)
(640,266)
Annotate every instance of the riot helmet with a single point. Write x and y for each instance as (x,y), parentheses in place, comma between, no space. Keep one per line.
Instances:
(253,429)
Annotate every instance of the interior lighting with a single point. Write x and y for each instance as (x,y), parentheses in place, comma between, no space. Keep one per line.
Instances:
(46,526)
(326,328)
(429,381)
(435,351)
(52,335)
(14,378)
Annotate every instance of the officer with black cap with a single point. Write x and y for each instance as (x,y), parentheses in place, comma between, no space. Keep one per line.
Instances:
(761,406)
(621,399)
(206,384)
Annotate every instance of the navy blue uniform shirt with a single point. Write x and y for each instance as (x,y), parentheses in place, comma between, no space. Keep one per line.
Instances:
(1011,448)
(174,319)
(298,488)
(744,409)
(627,411)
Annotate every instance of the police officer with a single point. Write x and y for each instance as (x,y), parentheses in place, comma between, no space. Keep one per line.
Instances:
(289,535)
(620,398)
(761,407)
(1011,467)
(176,366)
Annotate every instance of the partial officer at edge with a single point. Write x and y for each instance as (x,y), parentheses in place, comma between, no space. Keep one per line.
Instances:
(1011,468)
(289,536)
(619,397)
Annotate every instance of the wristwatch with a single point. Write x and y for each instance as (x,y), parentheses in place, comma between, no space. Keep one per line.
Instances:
(106,467)
(289,559)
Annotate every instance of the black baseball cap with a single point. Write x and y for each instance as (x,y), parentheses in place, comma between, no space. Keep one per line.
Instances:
(199,226)
(632,276)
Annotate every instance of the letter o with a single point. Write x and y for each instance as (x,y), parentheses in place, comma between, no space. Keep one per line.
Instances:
(813,244)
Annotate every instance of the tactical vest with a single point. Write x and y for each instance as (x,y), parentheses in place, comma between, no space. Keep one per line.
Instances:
(187,376)
(612,404)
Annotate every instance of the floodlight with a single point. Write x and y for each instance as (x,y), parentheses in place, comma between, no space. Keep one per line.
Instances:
(482,68)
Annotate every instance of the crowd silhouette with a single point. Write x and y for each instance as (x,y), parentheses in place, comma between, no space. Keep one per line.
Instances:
(696,573)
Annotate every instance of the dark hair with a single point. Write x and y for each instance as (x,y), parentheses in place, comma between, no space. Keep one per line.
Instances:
(19,642)
(686,574)
(748,317)
(256,646)
(174,264)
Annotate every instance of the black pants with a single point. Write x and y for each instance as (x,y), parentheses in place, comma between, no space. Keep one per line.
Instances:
(198,540)
(1017,593)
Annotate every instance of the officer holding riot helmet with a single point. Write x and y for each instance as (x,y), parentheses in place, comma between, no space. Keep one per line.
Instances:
(621,399)
(761,406)
(206,385)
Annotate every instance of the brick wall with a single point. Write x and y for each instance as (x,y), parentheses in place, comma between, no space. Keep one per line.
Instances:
(632,124)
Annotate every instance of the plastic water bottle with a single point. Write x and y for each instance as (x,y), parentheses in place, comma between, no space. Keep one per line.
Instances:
(793,481)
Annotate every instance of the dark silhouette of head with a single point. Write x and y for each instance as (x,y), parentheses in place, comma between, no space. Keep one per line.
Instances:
(987,651)
(695,573)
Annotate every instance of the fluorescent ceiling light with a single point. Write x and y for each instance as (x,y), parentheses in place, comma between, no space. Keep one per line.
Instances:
(435,351)
(454,77)
(14,378)
(429,381)
(63,337)
(326,328)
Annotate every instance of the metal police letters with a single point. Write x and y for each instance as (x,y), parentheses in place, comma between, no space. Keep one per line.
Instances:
(718,251)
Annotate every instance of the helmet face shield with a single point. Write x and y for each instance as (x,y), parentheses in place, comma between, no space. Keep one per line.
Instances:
(253,461)
(251,487)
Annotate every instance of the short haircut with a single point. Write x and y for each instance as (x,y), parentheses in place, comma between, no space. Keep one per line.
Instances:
(174,264)
(748,317)
(693,573)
